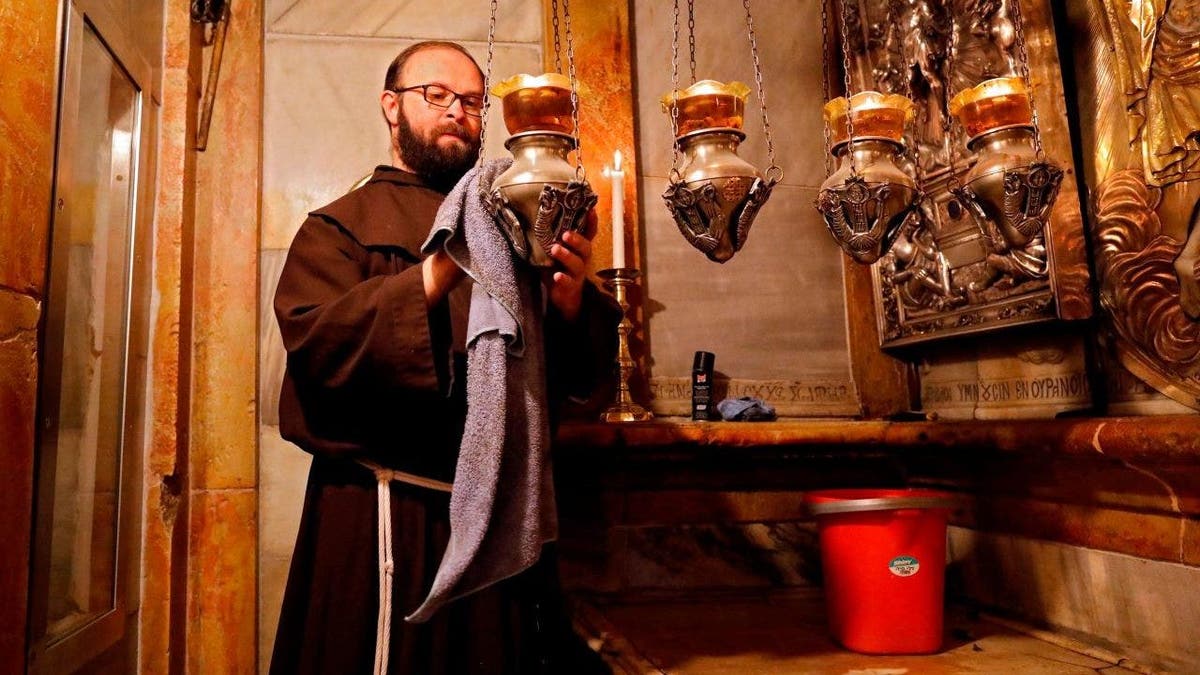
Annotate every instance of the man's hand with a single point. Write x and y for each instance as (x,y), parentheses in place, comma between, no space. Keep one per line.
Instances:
(572,253)
(440,274)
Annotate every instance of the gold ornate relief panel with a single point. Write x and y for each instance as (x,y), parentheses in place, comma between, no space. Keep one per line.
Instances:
(953,270)
(1139,79)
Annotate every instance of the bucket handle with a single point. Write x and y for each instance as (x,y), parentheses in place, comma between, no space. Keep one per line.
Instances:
(880,504)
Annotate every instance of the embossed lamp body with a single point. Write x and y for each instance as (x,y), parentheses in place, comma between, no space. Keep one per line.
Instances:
(867,198)
(714,194)
(1008,185)
(540,196)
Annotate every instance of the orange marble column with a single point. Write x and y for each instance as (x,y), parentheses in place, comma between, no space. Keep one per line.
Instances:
(164,543)
(27,111)
(600,33)
(223,462)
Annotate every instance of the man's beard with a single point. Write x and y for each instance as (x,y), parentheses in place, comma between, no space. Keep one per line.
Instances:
(440,165)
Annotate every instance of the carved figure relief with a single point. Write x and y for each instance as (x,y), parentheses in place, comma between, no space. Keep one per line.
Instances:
(1140,289)
(958,267)
(1148,211)
(1156,44)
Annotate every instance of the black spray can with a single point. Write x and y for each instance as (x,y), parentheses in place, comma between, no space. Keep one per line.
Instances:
(702,375)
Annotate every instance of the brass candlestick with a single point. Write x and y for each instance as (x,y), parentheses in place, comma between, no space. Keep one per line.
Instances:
(624,409)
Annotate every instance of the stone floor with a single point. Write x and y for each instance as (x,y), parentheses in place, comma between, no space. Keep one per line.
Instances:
(784,632)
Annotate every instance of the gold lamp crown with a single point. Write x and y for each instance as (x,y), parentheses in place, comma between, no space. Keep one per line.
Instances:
(992,104)
(875,115)
(708,104)
(536,103)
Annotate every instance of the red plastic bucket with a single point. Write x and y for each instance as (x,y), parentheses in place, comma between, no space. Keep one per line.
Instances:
(883,552)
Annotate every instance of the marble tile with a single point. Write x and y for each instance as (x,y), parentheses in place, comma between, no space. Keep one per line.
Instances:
(775,311)
(1149,610)
(1030,376)
(786,631)
(154,631)
(272,356)
(283,469)
(755,555)
(950,382)
(284,472)
(322,128)
(225,293)
(27,116)
(222,586)
(516,20)
(681,507)
(1191,543)
(18,406)
(172,218)
(1148,535)
(791,64)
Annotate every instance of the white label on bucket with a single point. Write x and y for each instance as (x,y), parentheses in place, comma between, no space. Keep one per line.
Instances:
(904,566)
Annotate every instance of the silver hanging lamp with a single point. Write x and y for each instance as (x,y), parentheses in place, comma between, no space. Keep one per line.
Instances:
(542,195)
(1012,183)
(867,199)
(713,194)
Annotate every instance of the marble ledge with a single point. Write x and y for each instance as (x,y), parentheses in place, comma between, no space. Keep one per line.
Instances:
(1158,440)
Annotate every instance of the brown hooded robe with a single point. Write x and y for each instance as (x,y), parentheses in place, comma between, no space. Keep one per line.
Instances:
(371,373)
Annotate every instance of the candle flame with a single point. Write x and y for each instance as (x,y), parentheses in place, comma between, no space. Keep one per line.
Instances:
(617,160)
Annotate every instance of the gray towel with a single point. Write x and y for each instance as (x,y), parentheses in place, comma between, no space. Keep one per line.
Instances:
(502,504)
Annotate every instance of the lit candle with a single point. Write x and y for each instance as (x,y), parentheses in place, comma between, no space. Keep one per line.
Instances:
(617,176)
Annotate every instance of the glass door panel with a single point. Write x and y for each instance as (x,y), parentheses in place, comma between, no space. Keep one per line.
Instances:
(85,351)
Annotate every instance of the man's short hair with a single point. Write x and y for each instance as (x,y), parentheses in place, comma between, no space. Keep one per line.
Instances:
(402,58)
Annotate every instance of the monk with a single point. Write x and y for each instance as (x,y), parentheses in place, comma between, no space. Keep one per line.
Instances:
(375,375)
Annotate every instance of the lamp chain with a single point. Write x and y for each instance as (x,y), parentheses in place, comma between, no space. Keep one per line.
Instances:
(557,43)
(772,168)
(1019,21)
(579,172)
(675,175)
(827,94)
(846,83)
(692,38)
(487,80)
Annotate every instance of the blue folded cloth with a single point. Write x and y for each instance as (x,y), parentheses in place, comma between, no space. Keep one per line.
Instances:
(745,409)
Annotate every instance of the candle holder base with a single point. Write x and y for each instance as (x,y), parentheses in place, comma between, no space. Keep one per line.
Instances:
(626,412)
(623,409)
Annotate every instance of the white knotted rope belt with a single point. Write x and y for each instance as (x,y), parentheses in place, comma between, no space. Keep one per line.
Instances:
(383,480)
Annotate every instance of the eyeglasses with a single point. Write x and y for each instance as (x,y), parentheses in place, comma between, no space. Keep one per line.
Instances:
(438,96)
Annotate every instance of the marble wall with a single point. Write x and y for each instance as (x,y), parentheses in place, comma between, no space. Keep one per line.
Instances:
(775,314)
(26,171)
(1148,611)
(324,66)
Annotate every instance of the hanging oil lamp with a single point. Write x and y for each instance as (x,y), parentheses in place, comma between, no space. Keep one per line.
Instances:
(541,196)
(866,200)
(868,197)
(1011,183)
(713,194)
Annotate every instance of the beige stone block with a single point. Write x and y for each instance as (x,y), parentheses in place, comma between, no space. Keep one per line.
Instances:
(154,631)
(516,20)
(225,292)
(272,357)
(322,126)
(791,63)
(222,586)
(284,473)
(1149,609)
(1026,376)
(773,312)
(27,115)
(284,470)
(950,382)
